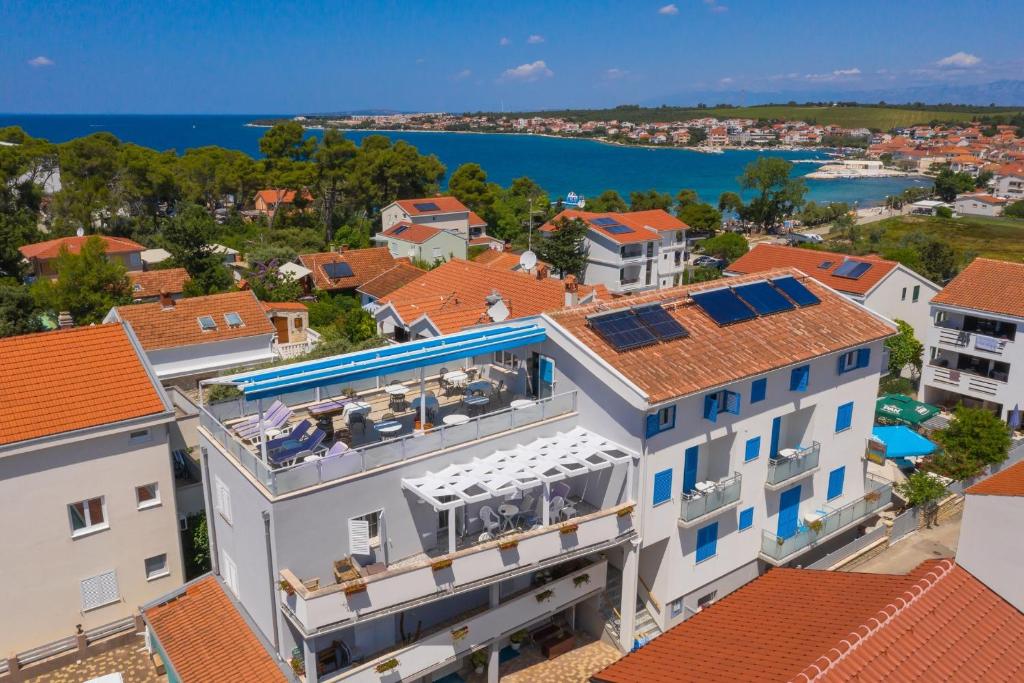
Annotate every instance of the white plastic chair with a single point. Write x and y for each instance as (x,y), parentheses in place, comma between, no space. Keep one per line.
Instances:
(490,519)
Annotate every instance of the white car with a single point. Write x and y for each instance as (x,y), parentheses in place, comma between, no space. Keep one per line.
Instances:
(795,237)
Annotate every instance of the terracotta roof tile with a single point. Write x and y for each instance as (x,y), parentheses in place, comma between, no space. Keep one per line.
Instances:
(411,232)
(151,282)
(712,356)
(476,221)
(987,285)
(645,224)
(60,381)
(366,264)
(504,260)
(400,275)
(444,205)
(769,256)
(161,328)
(207,639)
(51,248)
(283,306)
(273,196)
(1008,482)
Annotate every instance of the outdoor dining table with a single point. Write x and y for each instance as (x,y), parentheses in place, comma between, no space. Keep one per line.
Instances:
(356,406)
(331,406)
(457,377)
(396,389)
(476,401)
(388,427)
(508,513)
(455,419)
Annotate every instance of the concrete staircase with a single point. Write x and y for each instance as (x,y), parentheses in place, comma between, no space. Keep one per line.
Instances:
(646,628)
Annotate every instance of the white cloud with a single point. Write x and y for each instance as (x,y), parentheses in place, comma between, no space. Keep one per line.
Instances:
(715,7)
(535,39)
(41,61)
(728,80)
(465,73)
(528,72)
(504,41)
(835,75)
(960,60)
(847,72)
(614,74)
(669,10)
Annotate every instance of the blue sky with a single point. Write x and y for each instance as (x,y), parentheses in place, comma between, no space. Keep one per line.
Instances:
(153,56)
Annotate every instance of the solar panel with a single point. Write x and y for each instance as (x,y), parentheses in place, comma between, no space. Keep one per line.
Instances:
(400,229)
(723,306)
(763,298)
(427,206)
(622,330)
(603,221)
(618,229)
(337,270)
(233,319)
(795,291)
(660,323)
(825,265)
(852,270)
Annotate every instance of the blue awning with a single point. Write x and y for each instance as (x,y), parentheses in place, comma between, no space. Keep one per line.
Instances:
(381,361)
(903,442)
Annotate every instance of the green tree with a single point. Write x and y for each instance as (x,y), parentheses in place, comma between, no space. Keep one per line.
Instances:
(565,247)
(651,199)
(939,261)
(18,311)
(608,201)
(904,349)
(200,546)
(383,172)
(269,284)
(286,141)
(949,184)
(1015,210)
(977,433)
(189,236)
(697,136)
(924,491)
(685,198)
(334,159)
(730,201)
(729,246)
(469,185)
(87,285)
(89,168)
(778,195)
(702,217)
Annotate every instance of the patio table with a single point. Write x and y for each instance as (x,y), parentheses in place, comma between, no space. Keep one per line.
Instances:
(396,389)
(508,512)
(455,419)
(331,406)
(356,406)
(456,377)
(476,401)
(388,427)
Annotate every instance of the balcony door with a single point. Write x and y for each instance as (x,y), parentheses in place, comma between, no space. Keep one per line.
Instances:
(789,512)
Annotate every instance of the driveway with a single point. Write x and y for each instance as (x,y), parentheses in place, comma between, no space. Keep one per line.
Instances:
(925,544)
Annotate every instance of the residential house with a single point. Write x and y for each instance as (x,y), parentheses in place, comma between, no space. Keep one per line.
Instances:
(87,490)
(267,202)
(344,270)
(399,275)
(148,285)
(506,260)
(42,256)
(443,213)
(422,243)
(718,136)
(887,287)
(631,251)
(291,323)
(971,353)
(190,339)
(979,204)
(1008,182)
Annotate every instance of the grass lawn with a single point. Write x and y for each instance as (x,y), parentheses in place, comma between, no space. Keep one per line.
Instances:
(1000,238)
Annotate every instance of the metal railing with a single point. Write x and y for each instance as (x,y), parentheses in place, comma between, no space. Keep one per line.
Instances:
(696,504)
(782,468)
(378,454)
(877,494)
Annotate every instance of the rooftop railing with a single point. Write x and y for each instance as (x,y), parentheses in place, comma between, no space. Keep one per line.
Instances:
(697,504)
(784,467)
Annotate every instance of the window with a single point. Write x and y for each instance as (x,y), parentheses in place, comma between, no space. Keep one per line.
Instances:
(233,319)
(706,600)
(506,359)
(373,526)
(707,541)
(844,417)
(676,607)
(663,486)
(229,572)
(182,523)
(297,322)
(88,516)
(147,496)
(852,360)
(903,295)
(222,502)
(917,294)
(100,590)
(721,402)
(758,390)
(661,421)
(835,482)
(746,518)
(156,567)
(140,436)
(207,323)
(753,449)
(437,253)
(941,317)
(799,378)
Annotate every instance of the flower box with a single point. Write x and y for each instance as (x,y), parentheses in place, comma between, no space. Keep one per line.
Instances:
(508,545)
(441,564)
(570,528)
(628,510)
(386,665)
(544,596)
(580,580)
(356,588)
(460,633)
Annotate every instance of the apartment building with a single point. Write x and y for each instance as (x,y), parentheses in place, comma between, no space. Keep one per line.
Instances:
(443,213)
(87,490)
(460,489)
(418,242)
(632,251)
(971,353)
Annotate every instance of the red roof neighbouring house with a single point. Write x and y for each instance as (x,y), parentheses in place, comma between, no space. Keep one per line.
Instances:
(274,197)
(821,265)
(411,232)
(636,226)
(400,275)
(504,260)
(1008,482)
(364,264)
(147,284)
(937,623)
(987,285)
(51,248)
(424,206)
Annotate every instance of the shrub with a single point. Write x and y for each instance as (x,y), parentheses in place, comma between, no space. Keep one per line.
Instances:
(944,212)
(896,385)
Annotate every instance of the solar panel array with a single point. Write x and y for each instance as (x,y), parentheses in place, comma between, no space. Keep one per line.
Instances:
(724,307)
(763,298)
(631,328)
(852,270)
(800,295)
(730,305)
(427,206)
(657,319)
(337,270)
(825,265)
(611,225)
(400,229)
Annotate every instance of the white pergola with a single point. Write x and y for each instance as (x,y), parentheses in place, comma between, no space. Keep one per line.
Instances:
(507,473)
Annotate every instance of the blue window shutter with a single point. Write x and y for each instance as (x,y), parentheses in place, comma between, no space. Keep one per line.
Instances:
(547,370)
(746,518)
(844,416)
(799,377)
(690,460)
(711,407)
(652,424)
(753,449)
(835,482)
(758,390)
(776,429)
(707,541)
(732,402)
(863,358)
(663,486)
(672,418)
(842,363)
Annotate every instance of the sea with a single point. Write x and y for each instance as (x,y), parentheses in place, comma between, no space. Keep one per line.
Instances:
(559,165)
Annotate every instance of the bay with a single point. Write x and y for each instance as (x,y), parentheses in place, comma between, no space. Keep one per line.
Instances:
(559,165)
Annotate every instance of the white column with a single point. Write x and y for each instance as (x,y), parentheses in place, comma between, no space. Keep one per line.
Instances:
(494,662)
(627,609)
(451,530)
(423,403)
(263,431)
(309,651)
(546,518)
(629,481)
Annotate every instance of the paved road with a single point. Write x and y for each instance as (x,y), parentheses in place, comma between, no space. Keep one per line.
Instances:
(926,544)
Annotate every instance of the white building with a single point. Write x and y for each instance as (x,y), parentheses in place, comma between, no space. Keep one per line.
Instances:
(1010,186)
(632,251)
(444,213)
(972,355)
(979,204)
(593,487)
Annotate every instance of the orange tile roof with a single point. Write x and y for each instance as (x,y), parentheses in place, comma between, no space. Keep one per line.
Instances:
(505,260)
(283,306)
(645,224)
(51,248)
(987,285)
(273,196)
(207,640)
(768,256)
(150,283)
(400,275)
(1008,482)
(936,623)
(444,205)
(61,381)
(713,356)
(163,328)
(366,264)
(475,221)
(985,198)
(411,232)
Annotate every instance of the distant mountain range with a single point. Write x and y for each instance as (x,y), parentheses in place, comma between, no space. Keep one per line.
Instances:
(1003,93)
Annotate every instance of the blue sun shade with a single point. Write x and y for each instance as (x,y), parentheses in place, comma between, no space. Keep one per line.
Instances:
(795,291)
(723,306)
(660,323)
(852,270)
(427,206)
(763,298)
(337,270)
(622,330)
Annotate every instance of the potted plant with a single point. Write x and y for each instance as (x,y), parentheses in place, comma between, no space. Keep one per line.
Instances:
(872,496)
(517,639)
(460,633)
(544,595)
(816,525)
(479,659)
(580,580)
(298,666)
(286,587)
(441,564)
(508,545)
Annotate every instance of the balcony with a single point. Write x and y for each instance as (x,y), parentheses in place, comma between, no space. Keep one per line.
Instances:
(709,499)
(778,550)
(974,341)
(963,381)
(791,463)
(451,641)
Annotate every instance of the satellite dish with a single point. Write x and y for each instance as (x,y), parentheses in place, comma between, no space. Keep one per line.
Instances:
(528,260)
(80,232)
(581,203)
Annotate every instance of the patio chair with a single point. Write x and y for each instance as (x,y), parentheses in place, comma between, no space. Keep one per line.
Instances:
(560,489)
(528,510)
(555,508)
(275,421)
(298,433)
(357,418)
(287,455)
(490,520)
(255,419)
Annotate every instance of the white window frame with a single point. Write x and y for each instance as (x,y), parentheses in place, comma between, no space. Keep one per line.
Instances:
(147,504)
(89,527)
(372,520)
(222,499)
(229,572)
(159,574)
(506,359)
(213,322)
(140,436)
(676,607)
(666,417)
(707,600)
(227,321)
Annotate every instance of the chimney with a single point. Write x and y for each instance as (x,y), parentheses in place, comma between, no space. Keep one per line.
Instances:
(542,271)
(166,302)
(342,248)
(65,321)
(571,291)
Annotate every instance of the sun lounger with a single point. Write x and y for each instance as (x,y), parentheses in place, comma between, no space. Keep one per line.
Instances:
(292,449)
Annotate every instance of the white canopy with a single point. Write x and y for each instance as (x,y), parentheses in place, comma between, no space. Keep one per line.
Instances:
(504,473)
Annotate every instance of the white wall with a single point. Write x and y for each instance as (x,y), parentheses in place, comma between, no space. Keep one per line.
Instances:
(887,298)
(990,546)
(187,360)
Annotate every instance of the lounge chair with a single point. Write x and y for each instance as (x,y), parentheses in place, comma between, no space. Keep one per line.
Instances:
(275,421)
(255,419)
(292,452)
(298,433)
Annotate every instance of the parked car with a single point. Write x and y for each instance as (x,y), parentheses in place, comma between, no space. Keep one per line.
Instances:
(707,261)
(797,237)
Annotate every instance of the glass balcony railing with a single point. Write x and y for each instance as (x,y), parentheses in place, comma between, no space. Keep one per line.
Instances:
(697,503)
(877,494)
(785,466)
